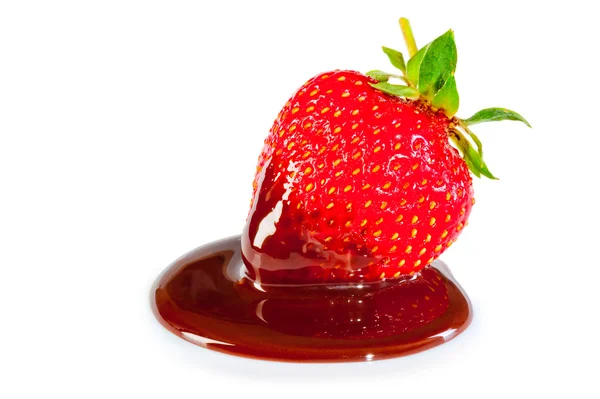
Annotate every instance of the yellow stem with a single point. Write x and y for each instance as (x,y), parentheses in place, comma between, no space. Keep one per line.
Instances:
(408,36)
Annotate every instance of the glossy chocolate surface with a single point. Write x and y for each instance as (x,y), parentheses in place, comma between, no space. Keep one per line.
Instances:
(207,298)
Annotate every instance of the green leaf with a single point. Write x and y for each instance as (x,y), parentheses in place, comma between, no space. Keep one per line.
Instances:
(438,64)
(472,167)
(382,76)
(396,58)
(473,137)
(378,75)
(472,158)
(447,97)
(414,64)
(477,161)
(495,114)
(396,90)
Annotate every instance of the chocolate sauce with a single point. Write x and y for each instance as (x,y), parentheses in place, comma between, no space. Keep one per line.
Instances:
(205,297)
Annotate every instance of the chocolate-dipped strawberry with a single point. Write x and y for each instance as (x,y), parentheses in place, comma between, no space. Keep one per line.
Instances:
(362,179)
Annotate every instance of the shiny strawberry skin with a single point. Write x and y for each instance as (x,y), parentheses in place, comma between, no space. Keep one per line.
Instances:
(354,185)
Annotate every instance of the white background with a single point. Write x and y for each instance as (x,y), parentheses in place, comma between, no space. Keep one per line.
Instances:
(129,132)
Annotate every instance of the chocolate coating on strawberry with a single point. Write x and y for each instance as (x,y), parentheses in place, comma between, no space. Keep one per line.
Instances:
(358,181)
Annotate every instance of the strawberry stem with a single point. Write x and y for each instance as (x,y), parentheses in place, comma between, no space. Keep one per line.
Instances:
(409,38)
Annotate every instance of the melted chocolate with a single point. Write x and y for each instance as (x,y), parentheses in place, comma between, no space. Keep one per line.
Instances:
(207,298)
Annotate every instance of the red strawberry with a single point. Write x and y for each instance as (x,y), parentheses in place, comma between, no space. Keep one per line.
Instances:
(358,181)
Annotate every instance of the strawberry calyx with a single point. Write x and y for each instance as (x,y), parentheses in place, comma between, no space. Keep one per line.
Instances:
(428,75)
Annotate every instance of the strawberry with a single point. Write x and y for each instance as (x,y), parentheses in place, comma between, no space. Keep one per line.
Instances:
(358,180)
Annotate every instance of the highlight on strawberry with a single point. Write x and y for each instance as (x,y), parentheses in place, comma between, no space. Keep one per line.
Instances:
(362,179)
